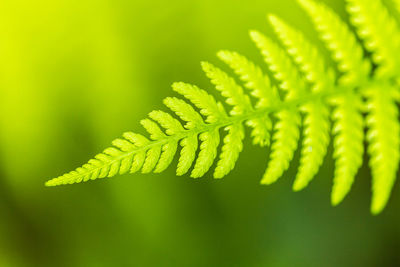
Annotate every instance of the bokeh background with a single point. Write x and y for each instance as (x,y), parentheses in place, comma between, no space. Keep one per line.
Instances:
(75,74)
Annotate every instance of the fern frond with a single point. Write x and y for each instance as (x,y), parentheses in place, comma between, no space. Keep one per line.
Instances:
(229,88)
(348,145)
(315,143)
(255,80)
(340,40)
(380,32)
(109,162)
(286,134)
(184,111)
(172,127)
(189,144)
(153,153)
(260,87)
(306,86)
(306,55)
(233,145)
(285,142)
(188,154)
(280,65)
(208,153)
(348,128)
(261,130)
(316,121)
(384,143)
(208,106)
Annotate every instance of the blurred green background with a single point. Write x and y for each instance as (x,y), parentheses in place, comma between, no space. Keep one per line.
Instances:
(75,74)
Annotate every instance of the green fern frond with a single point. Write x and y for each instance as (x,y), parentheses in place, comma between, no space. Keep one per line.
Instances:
(315,143)
(255,80)
(346,51)
(260,87)
(286,136)
(306,55)
(306,88)
(316,121)
(206,103)
(285,142)
(233,145)
(240,102)
(229,88)
(348,143)
(379,31)
(384,143)
(280,65)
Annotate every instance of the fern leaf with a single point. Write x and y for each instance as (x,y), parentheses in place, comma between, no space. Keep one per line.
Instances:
(260,86)
(209,107)
(316,122)
(261,132)
(207,154)
(184,111)
(233,145)
(280,65)
(341,41)
(237,98)
(188,154)
(169,123)
(384,144)
(124,146)
(285,141)
(255,80)
(168,150)
(209,140)
(153,129)
(138,158)
(150,162)
(306,55)
(189,144)
(347,52)
(286,136)
(315,143)
(348,144)
(167,155)
(228,88)
(379,31)
(108,163)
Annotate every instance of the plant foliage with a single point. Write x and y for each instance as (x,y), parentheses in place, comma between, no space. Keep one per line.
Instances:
(362,91)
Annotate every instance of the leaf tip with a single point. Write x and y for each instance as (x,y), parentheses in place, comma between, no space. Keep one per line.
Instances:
(268,180)
(336,199)
(298,186)
(273,19)
(50,183)
(254,34)
(377,205)
(223,54)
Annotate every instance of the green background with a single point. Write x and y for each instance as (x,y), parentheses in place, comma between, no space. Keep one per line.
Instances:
(75,74)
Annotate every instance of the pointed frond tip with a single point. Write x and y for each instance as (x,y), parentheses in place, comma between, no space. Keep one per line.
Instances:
(288,105)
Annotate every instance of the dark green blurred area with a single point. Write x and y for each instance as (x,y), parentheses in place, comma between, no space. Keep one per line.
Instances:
(76,74)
